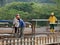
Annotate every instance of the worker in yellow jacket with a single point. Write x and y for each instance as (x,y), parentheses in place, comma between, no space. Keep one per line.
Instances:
(52,20)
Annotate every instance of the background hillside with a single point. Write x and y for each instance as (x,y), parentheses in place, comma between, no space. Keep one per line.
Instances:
(29,9)
(3,2)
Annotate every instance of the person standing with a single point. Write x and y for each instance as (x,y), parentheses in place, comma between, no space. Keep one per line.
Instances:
(52,20)
(16,23)
(22,26)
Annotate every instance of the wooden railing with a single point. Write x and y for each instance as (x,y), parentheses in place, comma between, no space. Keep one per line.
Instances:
(30,40)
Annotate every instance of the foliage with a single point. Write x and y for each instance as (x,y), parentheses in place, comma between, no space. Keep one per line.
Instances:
(28,10)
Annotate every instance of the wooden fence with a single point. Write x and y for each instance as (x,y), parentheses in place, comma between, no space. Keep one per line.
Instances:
(30,40)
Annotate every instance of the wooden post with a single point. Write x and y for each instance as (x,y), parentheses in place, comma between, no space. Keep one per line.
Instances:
(13,42)
(24,41)
(33,40)
(30,40)
(2,42)
(33,28)
(6,41)
(21,41)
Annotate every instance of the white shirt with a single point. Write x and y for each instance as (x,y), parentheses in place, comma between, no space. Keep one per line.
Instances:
(16,22)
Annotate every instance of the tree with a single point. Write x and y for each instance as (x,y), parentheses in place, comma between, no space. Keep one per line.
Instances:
(57,2)
(28,10)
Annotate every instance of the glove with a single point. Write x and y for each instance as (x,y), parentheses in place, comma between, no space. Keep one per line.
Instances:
(56,21)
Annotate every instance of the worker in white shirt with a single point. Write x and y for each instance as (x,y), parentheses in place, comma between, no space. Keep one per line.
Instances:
(16,23)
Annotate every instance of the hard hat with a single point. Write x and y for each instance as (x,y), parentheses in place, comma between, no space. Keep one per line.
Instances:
(52,13)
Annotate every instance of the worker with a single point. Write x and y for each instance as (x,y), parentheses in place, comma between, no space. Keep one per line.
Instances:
(16,24)
(52,21)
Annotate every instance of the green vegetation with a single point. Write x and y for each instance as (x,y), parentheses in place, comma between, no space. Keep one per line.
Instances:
(3,2)
(28,10)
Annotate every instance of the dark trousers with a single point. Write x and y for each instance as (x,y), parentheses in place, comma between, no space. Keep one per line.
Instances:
(16,29)
(52,26)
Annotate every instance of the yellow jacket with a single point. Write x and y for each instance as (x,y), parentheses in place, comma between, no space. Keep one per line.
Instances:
(52,20)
